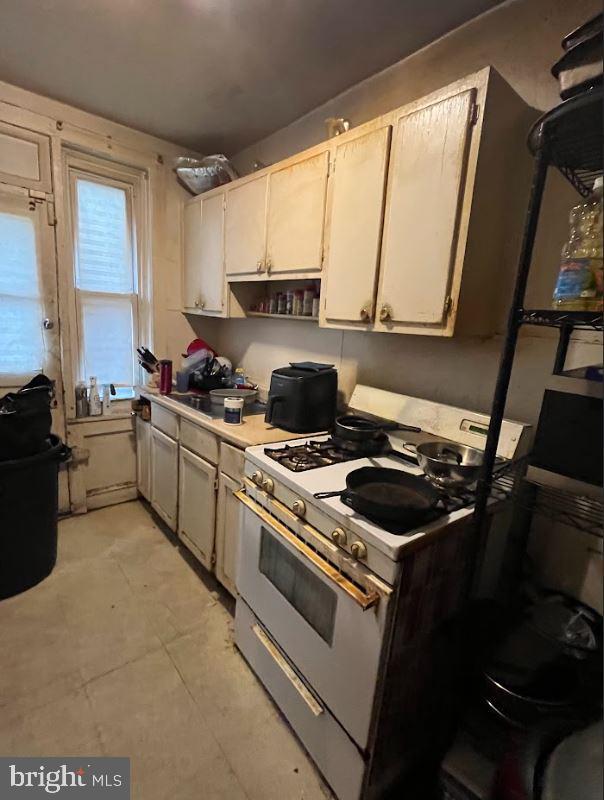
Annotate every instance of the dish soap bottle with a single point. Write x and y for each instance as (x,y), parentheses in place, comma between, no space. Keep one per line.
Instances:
(95,408)
(581,278)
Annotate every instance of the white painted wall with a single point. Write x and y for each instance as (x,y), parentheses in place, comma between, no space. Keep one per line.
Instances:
(521,40)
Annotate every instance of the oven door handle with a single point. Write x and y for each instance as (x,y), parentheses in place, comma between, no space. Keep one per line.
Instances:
(364,599)
(292,676)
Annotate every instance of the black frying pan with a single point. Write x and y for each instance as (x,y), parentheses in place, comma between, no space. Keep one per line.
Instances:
(388,494)
(354,428)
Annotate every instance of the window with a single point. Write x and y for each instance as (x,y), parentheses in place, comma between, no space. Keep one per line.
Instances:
(21,339)
(106,279)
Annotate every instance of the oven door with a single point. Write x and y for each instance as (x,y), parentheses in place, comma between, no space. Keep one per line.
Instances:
(330,627)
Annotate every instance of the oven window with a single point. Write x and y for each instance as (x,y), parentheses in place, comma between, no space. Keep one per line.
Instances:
(307,593)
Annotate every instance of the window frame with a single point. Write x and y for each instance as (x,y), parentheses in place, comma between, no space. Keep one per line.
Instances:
(134,182)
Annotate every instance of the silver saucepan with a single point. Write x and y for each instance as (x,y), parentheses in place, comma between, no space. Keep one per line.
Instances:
(448,464)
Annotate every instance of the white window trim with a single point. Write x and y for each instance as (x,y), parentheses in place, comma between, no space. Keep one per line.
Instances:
(134,181)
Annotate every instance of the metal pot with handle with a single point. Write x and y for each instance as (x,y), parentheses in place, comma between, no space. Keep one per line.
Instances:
(448,464)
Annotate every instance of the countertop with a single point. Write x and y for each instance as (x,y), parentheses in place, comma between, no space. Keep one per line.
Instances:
(253,430)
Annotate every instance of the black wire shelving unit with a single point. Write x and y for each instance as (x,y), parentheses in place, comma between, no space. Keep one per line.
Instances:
(568,138)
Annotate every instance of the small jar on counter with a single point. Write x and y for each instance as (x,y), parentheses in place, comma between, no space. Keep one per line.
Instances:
(233,410)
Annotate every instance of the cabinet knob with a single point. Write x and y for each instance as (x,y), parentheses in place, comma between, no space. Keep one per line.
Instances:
(196,303)
(385,313)
(365,314)
(269,265)
(299,508)
(201,304)
(259,265)
(339,537)
(358,550)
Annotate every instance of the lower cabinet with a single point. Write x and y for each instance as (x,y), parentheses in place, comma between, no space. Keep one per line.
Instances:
(197,505)
(164,476)
(227,532)
(143,457)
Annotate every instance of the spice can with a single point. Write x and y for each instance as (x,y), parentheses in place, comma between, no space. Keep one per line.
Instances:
(307,302)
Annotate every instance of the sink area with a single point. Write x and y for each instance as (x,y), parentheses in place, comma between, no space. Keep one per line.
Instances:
(202,404)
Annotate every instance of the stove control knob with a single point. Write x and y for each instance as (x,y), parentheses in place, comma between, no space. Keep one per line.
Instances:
(299,508)
(268,485)
(339,537)
(358,550)
(257,477)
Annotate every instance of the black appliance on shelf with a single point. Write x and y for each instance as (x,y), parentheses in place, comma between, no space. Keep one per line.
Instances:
(302,397)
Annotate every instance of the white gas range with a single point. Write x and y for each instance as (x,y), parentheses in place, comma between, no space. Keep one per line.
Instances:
(336,613)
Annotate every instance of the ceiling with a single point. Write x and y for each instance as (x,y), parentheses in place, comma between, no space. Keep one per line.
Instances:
(215,75)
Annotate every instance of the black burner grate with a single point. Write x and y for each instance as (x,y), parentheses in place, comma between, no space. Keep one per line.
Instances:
(309,455)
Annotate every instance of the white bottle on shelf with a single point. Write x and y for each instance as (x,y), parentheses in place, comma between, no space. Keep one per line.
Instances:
(95,408)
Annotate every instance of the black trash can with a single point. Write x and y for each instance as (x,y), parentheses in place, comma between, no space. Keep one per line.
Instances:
(28,517)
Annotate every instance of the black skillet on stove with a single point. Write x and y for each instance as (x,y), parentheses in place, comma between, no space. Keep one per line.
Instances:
(388,494)
(367,438)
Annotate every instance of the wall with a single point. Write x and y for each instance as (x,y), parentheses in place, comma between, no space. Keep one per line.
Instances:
(521,40)
(108,474)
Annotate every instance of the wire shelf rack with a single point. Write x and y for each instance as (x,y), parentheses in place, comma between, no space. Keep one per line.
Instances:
(572,136)
(585,320)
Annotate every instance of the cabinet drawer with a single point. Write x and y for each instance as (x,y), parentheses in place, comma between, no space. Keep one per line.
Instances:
(164,420)
(199,441)
(231,461)
(329,747)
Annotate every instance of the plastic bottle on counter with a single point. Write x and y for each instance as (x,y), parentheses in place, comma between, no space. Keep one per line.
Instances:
(281,303)
(95,409)
(580,281)
(239,378)
(289,301)
(307,302)
(81,399)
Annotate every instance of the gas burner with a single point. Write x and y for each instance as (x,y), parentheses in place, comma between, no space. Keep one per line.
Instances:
(310,455)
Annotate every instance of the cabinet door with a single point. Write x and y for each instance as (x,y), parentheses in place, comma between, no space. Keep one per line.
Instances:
(355,216)
(212,253)
(143,457)
(164,476)
(227,533)
(191,285)
(425,189)
(197,505)
(245,228)
(296,216)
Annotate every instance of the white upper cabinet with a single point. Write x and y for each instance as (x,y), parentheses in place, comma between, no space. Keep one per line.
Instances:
(191,285)
(296,214)
(204,284)
(245,235)
(425,193)
(354,224)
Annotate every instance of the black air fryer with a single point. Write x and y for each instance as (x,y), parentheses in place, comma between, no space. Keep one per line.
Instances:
(302,397)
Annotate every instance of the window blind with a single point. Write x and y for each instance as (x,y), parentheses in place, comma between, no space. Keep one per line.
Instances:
(21,338)
(105,282)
